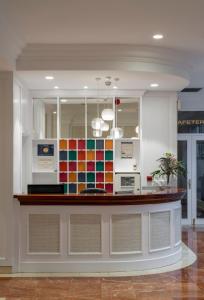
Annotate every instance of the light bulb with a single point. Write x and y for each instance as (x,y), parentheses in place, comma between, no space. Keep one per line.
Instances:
(97,123)
(105,127)
(97,133)
(117,133)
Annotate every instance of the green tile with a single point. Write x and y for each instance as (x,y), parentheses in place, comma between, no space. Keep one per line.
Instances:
(109,155)
(72,155)
(90,144)
(90,177)
(65,188)
(99,166)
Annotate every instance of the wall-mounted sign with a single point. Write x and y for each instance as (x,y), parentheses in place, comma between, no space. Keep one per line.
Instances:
(191,122)
(45,149)
(127,149)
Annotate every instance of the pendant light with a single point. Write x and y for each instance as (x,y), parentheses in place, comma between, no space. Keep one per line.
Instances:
(105,126)
(107,114)
(97,123)
(97,133)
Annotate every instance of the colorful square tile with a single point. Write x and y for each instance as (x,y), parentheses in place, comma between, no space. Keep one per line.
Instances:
(72,188)
(100,186)
(63,155)
(81,155)
(90,155)
(72,155)
(99,144)
(81,177)
(63,177)
(81,187)
(109,144)
(63,166)
(90,186)
(99,155)
(108,155)
(90,177)
(72,144)
(66,190)
(91,144)
(99,166)
(109,166)
(109,188)
(81,166)
(63,144)
(108,177)
(72,166)
(99,177)
(72,177)
(81,144)
(91,166)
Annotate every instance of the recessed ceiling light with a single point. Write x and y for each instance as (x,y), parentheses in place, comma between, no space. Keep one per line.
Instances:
(158,36)
(63,100)
(154,84)
(54,112)
(49,77)
(115,87)
(85,87)
(56,87)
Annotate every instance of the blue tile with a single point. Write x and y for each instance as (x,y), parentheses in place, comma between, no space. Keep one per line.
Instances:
(99,144)
(72,188)
(81,177)
(63,155)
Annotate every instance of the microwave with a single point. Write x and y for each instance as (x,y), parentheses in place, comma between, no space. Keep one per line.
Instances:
(127,182)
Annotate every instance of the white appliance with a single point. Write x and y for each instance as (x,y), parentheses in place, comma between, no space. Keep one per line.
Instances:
(127,182)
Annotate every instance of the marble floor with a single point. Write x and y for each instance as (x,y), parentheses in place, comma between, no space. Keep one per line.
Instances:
(187,283)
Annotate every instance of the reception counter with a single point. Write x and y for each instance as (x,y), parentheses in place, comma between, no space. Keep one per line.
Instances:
(98,233)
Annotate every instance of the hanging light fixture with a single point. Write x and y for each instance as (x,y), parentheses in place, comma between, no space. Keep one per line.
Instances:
(117,133)
(137,130)
(97,133)
(107,114)
(97,123)
(105,126)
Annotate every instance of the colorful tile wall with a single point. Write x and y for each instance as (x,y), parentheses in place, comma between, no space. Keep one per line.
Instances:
(86,164)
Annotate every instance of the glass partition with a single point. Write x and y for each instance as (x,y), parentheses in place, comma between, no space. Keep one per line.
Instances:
(72,117)
(45,118)
(127,116)
(95,107)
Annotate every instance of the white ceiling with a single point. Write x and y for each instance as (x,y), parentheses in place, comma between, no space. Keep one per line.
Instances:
(110,22)
(72,80)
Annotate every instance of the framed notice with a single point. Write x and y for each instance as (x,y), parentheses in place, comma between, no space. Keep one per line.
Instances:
(45,149)
(127,149)
(45,163)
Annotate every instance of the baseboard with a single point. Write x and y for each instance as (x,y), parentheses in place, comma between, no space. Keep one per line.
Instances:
(5,269)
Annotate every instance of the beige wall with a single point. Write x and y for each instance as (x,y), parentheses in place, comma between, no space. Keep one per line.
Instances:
(6,172)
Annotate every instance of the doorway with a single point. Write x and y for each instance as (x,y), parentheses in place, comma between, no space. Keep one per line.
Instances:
(191,152)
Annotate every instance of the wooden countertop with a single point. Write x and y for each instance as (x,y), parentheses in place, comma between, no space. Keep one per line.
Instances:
(144,197)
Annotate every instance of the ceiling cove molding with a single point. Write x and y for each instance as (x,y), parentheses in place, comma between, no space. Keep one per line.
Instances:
(85,93)
(104,57)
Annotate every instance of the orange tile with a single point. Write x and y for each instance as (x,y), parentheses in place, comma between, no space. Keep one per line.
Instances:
(108,166)
(63,144)
(109,144)
(108,177)
(90,155)
(81,186)
(81,166)
(72,177)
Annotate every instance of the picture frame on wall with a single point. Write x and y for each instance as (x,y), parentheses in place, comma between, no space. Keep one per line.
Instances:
(45,149)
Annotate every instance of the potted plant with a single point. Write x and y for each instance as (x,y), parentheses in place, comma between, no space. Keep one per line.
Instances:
(169,166)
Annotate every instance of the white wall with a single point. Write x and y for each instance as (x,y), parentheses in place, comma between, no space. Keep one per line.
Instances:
(158,129)
(6,168)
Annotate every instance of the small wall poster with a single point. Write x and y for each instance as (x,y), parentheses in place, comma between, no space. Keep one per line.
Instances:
(126,149)
(45,149)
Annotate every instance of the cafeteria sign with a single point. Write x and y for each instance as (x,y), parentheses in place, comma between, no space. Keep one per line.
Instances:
(191,122)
